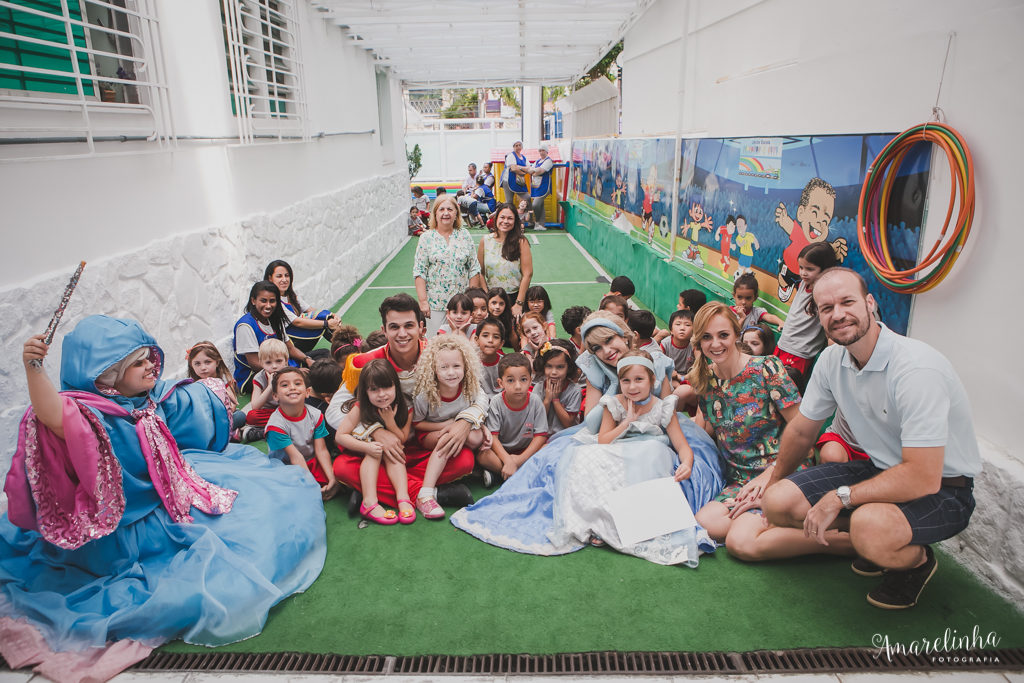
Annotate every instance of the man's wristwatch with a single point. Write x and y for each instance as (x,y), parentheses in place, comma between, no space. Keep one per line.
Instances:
(844,497)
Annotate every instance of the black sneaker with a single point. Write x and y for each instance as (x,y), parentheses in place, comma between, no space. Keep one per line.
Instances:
(901,589)
(354,501)
(454,495)
(865,567)
(251,433)
(488,477)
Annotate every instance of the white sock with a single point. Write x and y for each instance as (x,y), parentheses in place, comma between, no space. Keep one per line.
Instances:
(427,492)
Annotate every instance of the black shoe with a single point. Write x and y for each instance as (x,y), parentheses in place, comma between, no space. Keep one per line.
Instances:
(250,433)
(454,495)
(865,567)
(354,501)
(488,479)
(901,589)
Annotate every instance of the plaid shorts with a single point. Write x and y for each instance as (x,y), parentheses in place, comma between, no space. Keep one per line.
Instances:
(932,518)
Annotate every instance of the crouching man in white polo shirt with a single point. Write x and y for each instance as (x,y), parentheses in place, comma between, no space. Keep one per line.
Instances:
(909,412)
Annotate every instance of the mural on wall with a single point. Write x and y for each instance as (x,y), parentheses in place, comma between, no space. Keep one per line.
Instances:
(630,181)
(749,205)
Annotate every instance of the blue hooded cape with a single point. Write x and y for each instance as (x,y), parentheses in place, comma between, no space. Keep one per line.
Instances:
(211,581)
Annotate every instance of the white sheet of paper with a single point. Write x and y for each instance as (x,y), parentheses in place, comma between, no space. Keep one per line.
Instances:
(648,509)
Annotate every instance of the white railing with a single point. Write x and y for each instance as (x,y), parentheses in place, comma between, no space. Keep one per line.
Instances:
(111,91)
(495,123)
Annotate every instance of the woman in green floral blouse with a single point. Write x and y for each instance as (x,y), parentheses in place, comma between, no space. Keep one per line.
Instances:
(445,263)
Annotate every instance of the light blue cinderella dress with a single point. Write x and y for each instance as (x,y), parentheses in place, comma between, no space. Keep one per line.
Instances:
(134,556)
(545,509)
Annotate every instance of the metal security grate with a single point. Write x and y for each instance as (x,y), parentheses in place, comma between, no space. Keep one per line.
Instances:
(272,661)
(576,663)
(825,660)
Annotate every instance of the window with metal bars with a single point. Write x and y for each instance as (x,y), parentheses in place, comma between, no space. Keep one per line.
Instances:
(261,44)
(49,46)
(81,71)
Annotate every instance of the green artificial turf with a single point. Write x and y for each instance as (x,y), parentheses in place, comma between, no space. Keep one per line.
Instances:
(432,589)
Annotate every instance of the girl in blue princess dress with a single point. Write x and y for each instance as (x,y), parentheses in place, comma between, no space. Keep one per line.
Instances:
(132,522)
(639,439)
(532,496)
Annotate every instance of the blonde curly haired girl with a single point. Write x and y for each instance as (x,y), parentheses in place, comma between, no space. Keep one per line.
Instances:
(449,398)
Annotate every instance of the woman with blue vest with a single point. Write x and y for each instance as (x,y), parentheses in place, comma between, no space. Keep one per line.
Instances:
(264,318)
(540,184)
(515,180)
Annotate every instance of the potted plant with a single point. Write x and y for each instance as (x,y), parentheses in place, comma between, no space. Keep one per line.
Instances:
(108,91)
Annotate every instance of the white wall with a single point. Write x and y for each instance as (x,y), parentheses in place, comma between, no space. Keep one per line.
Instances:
(175,237)
(446,153)
(800,67)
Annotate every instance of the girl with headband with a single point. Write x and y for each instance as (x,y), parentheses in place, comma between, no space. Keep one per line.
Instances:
(639,439)
(541,492)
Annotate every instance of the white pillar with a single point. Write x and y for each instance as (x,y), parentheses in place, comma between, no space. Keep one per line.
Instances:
(533,113)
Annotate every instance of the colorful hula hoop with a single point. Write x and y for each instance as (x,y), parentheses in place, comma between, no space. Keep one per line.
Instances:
(872,230)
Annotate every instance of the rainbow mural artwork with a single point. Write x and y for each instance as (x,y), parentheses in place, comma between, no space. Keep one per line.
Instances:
(743,205)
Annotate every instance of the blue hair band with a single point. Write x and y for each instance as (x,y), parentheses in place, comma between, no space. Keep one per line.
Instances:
(600,322)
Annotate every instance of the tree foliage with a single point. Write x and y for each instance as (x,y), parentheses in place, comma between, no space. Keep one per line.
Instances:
(465,106)
(511,99)
(605,67)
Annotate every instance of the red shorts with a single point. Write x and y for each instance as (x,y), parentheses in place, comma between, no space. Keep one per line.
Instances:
(346,469)
(801,364)
(259,416)
(851,452)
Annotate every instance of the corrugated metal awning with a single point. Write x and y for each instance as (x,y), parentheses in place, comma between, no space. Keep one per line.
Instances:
(475,43)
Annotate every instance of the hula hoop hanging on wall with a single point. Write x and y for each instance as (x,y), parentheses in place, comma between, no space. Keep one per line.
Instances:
(872,230)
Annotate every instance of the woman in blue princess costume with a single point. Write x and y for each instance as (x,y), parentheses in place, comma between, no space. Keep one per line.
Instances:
(132,522)
(528,513)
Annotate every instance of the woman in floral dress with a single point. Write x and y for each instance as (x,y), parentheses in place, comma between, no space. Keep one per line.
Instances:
(744,403)
(445,262)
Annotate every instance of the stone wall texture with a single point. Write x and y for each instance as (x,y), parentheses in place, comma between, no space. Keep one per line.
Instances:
(192,286)
(992,546)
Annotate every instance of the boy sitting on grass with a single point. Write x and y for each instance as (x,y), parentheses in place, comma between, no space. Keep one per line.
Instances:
(516,419)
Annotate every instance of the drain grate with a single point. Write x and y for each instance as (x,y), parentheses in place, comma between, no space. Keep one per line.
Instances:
(575,663)
(823,660)
(863,659)
(271,661)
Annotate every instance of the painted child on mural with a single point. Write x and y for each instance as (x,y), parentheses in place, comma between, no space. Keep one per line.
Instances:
(813,215)
(746,241)
(619,193)
(725,233)
(651,194)
(698,221)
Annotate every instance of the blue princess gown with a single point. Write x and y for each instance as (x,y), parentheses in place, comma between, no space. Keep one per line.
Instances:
(536,511)
(151,579)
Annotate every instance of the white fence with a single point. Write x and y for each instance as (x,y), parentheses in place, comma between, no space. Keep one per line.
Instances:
(445,153)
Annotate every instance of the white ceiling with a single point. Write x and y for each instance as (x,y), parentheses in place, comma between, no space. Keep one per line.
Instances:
(473,43)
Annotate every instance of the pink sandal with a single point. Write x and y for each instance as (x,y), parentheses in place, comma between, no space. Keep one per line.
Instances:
(388,518)
(429,508)
(406,516)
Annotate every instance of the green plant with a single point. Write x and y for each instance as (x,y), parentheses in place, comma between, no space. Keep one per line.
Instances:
(415,159)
